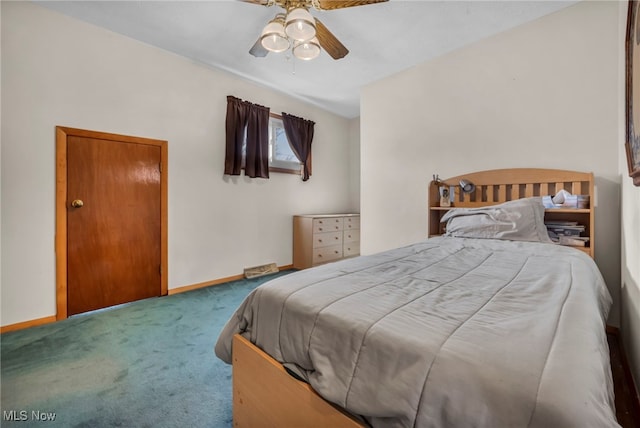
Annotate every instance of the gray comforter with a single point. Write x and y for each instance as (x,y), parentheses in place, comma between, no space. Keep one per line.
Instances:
(449,332)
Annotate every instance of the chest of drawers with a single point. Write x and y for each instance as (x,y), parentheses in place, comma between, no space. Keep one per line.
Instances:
(319,239)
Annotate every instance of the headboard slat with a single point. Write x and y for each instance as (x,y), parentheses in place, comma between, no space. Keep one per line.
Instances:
(576,188)
(559,186)
(544,189)
(528,190)
(490,194)
(502,193)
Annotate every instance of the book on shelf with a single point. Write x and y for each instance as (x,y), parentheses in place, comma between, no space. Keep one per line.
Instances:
(559,228)
(573,241)
(568,231)
(561,223)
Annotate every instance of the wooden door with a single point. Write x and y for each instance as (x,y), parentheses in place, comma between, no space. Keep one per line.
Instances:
(114,221)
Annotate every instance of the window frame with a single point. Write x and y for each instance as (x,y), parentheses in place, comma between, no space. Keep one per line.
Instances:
(274,165)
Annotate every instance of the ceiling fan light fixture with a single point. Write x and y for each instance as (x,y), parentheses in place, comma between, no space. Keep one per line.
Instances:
(273,37)
(307,50)
(300,25)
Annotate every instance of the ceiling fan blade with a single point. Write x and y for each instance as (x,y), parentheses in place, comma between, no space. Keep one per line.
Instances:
(329,42)
(341,4)
(258,50)
(260,2)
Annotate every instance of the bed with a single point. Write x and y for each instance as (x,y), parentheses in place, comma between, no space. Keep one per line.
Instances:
(501,330)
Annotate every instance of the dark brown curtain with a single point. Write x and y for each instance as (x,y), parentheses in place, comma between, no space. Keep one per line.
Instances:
(300,136)
(257,156)
(237,112)
(252,121)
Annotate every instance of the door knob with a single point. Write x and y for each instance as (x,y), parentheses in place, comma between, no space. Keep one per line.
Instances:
(77,203)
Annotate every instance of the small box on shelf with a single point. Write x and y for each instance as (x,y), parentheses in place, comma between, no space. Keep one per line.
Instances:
(567,201)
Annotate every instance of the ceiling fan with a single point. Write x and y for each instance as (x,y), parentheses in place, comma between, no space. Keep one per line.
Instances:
(297,29)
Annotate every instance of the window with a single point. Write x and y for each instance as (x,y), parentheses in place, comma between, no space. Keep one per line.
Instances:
(281,157)
(256,141)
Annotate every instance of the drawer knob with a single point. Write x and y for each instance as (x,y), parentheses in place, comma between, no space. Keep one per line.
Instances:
(336,251)
(319,240)
(320,229)
(336,238)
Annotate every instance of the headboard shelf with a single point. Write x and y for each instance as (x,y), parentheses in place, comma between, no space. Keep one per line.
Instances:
(548,210)
(567,210)
(501,185)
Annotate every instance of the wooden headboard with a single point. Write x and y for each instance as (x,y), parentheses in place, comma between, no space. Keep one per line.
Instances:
(502,185)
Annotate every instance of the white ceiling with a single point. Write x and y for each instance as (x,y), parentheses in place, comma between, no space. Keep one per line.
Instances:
(382,38)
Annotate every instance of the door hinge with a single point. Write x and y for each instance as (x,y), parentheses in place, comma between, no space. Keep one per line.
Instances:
(160,167)
(160,270)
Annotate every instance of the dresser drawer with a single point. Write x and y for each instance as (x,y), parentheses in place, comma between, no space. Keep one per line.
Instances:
(331,224)
(326,239)
(327,254)
(351,249)
(351,235)
(351,223)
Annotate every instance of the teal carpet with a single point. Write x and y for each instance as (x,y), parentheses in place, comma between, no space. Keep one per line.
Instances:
(145,364)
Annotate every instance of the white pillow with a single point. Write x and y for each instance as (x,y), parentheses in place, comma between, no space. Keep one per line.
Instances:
(518,220)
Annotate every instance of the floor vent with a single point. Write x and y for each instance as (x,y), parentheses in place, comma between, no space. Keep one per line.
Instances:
(256,271)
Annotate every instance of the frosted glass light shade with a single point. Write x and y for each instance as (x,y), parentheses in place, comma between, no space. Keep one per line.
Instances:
(307,50)
(273,37)
(300,25)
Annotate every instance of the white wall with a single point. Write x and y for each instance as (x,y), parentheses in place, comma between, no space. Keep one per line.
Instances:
(0,164)
(543,95)
(630,292)
(354,164)
(630,229)
(60,71)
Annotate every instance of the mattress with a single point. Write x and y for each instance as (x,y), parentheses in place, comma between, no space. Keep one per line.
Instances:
(447,332)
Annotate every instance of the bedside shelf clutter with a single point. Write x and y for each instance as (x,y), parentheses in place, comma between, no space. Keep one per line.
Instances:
(323,238)
(497,186)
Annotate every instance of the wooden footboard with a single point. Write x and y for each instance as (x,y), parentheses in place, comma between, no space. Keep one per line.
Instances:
(265,395)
